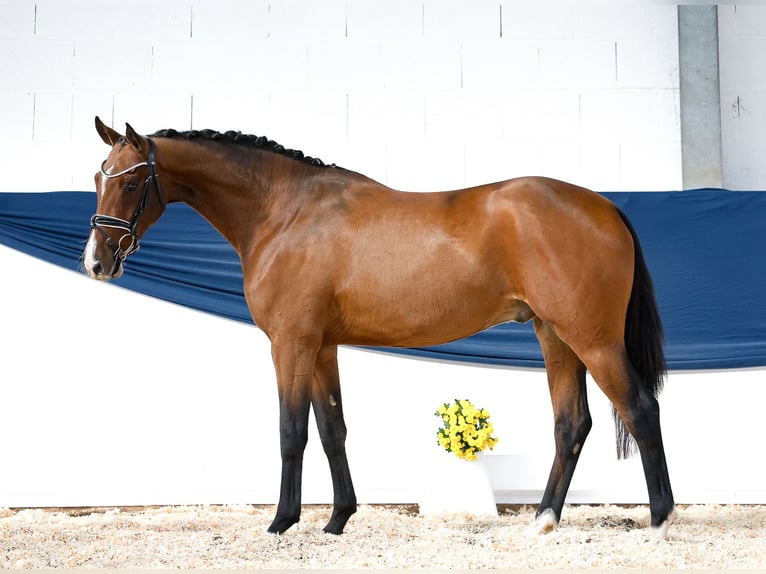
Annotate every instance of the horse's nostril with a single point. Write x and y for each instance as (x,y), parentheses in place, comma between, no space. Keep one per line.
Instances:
(96,269)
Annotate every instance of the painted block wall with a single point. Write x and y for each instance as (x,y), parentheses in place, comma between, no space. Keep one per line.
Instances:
(742,53)
(421,95)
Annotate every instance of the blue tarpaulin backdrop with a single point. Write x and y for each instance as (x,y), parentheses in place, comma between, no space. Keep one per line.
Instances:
(704,248)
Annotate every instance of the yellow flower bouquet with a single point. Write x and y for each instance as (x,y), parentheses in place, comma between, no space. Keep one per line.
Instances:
(465,429)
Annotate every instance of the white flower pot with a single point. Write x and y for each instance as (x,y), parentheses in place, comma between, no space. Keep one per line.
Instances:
(454,485)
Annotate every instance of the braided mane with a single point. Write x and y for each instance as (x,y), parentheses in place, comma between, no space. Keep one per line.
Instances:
(238,138)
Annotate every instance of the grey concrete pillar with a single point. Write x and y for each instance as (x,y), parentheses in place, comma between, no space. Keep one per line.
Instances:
(700,96)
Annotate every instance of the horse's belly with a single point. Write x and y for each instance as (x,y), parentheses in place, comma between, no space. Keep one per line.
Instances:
(414,282)
(417,320)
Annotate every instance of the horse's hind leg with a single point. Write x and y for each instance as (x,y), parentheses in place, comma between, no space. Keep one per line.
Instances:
(328,409)
(640,411)
(572,421)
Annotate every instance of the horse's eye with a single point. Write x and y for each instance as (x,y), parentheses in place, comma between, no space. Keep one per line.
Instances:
(131,187)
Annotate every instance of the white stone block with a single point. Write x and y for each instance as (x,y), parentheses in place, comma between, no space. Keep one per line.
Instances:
(630,115)
(298,20)
(561,160)
(245,65)
(17,113)
(647,63)
(226,21)
(133,22)
(387,116)
(614,20)
(461,19)
(603,116)
(749,21)
(95,68)
(346,65)
(542,115)
(53,116)
(580,63)
(392,21)
(281,67)
(727,26)
(741,64)
(600,166)
(17,19)
(198,65)
(500,64)
(86,105)
(463,116)
(743,114)
(537,19)
(16,165)
(665,21)
(152,110)
(52,164)
(664,158)
(421,66)
(742,49)
(36,64)
(249,112)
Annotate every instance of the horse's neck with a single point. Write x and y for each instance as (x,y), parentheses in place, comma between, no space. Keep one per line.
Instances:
(237,197)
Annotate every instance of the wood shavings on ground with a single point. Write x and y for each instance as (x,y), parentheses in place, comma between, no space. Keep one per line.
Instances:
(188,537)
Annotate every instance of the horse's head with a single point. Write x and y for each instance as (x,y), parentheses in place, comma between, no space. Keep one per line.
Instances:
(129,201)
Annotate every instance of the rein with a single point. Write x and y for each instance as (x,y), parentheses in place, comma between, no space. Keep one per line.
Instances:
(100,221)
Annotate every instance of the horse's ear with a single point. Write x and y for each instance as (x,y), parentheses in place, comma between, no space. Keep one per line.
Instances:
(134,138)
(107,134)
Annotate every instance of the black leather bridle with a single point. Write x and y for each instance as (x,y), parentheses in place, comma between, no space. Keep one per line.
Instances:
(100,221)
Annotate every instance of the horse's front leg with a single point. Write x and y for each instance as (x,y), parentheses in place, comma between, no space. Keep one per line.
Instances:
(328,410)
(294,361)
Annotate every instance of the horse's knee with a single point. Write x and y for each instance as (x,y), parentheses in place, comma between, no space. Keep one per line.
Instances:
(293,439)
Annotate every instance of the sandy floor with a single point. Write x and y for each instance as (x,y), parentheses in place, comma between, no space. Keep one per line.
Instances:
(379,537)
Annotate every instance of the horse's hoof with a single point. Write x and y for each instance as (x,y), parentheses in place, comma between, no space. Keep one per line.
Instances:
(335,529)
(280,524)
(544,523)
(661,532)
(338,520)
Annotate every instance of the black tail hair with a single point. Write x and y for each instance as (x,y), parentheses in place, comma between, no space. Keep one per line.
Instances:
(644,340)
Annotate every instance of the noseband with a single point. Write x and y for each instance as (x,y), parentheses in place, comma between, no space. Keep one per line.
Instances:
(99,221)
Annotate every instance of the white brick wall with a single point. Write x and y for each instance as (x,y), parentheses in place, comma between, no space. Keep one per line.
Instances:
(420,94)
(425,94)
(742,53)
(17,19)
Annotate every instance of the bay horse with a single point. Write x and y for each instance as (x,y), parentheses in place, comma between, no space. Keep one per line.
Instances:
(330,257)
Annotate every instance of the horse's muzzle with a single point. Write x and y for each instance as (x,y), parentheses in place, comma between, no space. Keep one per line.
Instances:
(97,271)
(100,264)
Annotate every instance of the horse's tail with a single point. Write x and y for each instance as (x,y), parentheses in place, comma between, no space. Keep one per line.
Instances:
(643,338)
